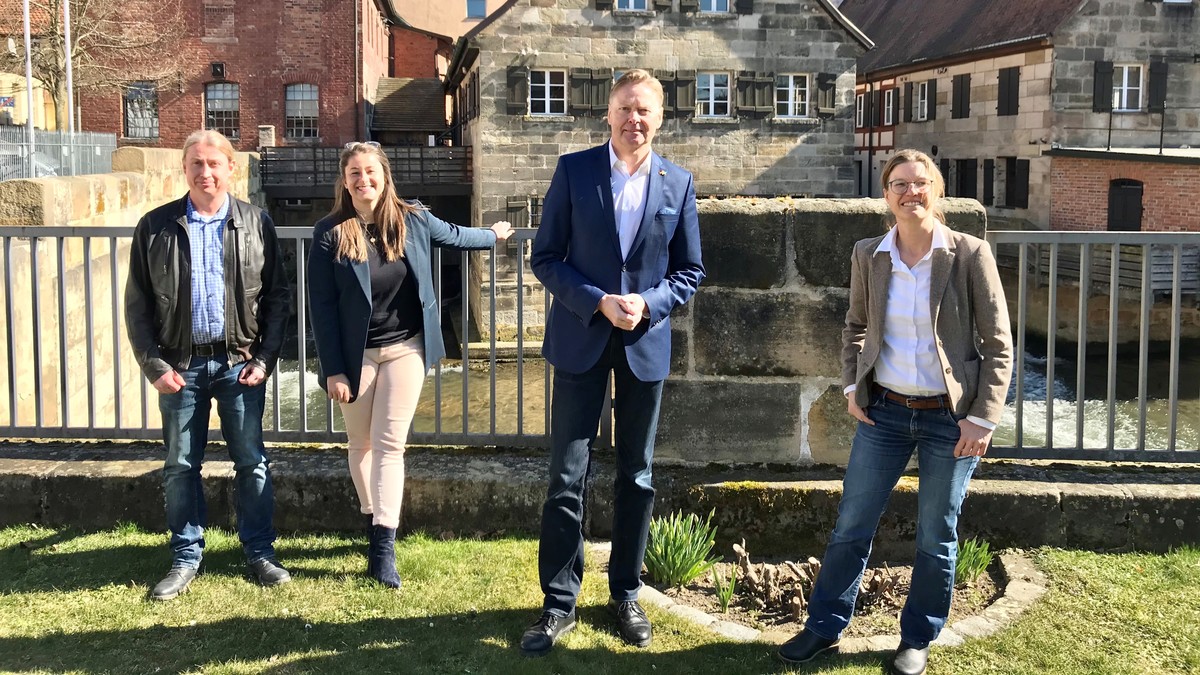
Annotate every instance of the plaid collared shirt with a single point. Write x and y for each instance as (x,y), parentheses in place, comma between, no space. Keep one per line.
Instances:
(208,273)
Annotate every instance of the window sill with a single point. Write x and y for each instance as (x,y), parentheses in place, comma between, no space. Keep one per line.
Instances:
(559,119)
(641,13)
(219,40)
(796,121)
(696,119)
(714,16)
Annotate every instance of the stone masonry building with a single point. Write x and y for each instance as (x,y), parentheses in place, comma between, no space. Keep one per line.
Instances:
(1050,112)
(758,93)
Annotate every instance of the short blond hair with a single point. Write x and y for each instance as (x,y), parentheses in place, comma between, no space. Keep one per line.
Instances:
(937,187)
(638,76)
(212,138)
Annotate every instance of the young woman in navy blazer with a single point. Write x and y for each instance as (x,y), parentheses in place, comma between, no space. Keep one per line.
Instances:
(377,326)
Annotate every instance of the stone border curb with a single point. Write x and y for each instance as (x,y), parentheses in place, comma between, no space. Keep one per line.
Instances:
(1024,584)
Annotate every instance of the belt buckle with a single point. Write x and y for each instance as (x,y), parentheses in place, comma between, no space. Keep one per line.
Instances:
(203,350)
(910,400)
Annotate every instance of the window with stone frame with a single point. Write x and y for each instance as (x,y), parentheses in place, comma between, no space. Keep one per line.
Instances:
(712,95)
(1127,87)
(631,5)
(301,111)
(889,107)
(792,95)
(141,110)
(921,113)
(547,92)
(222,108)
(714,6)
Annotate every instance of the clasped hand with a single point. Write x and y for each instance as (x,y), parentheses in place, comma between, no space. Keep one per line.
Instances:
(623,311)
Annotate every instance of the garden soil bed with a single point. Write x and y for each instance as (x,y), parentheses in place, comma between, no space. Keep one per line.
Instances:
(880,616)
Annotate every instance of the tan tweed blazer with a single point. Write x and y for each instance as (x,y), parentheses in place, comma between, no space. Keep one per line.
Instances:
(970,319)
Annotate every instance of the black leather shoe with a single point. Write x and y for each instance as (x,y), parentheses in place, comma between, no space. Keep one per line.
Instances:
(805,647)
(910,660)
(269,573)
(632,624)
(175,583)
(542,635)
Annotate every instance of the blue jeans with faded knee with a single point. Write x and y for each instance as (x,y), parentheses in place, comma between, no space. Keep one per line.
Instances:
(185,431)
(877,459)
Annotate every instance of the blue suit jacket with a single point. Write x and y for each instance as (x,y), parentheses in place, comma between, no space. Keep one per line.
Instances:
(577,256)
(339,291)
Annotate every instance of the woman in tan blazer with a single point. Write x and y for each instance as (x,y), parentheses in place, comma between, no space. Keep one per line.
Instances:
(926,362)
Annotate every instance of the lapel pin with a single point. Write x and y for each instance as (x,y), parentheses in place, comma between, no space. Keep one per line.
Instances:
(662,172)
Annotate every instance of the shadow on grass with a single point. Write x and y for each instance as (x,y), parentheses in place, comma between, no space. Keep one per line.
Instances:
(484,642)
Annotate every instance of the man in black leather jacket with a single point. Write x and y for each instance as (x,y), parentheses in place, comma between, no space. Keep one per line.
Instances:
(205,306)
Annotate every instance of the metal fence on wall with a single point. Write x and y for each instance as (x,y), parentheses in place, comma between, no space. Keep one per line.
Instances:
(55,153)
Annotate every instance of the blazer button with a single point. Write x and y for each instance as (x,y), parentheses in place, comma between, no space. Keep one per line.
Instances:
(947,371)
(624,269)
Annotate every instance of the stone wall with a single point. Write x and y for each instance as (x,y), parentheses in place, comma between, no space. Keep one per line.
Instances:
(142,179)
(757,353)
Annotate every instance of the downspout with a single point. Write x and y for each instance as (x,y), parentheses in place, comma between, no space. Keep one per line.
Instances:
(358,63)
(871,136)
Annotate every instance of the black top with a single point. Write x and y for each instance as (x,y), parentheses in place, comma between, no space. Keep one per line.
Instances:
(395,301)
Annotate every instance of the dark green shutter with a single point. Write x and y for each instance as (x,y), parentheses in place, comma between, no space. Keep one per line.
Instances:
(1008,100)
(944,167)
(604,4)
(662,5)
(764,94)
(968,170)
(744,6)
(689,5)
(745,93)
(518,90)
(989,181)
(581,92)
(667,78)
(1022,188)
(826,94)
(1158,87)
(907,104)
(601,87)
(685,93)
(931,102)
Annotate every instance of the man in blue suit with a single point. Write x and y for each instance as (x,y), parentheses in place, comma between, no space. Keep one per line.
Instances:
(619,249)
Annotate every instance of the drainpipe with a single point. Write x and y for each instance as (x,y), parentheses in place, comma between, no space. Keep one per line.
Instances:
(359,110)
(870,136)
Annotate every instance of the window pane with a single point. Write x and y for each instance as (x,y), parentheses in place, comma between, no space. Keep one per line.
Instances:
(221,109)
(141,110)
(476,9)
(301,111)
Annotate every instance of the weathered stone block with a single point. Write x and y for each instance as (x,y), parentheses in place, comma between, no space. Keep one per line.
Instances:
(1008,513)
(719,421)
(830,429)
(743,242)
(781,334)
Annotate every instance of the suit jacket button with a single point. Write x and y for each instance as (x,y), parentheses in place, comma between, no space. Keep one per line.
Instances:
(624,269)
(947,371)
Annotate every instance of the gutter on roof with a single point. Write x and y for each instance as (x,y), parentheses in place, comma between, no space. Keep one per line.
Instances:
(460,58)
(854,30)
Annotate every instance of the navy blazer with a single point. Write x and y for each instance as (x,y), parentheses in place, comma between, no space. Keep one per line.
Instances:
(577,256)
(339,291)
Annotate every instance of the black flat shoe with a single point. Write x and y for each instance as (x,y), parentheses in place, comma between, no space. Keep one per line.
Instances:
(541,636)
(910,660)
(175,583)
(805,647)
(269,573)
(632,624)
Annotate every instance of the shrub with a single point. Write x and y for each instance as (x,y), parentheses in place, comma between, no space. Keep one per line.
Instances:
(679,548)
(973,558)
(724,586)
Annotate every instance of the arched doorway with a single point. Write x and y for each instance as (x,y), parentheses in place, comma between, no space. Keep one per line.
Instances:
(1125,205)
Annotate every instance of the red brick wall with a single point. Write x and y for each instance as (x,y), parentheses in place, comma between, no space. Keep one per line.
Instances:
(274,43)
(1079,193)
(414,54)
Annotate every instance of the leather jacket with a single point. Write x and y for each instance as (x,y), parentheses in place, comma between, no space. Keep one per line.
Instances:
(158,295)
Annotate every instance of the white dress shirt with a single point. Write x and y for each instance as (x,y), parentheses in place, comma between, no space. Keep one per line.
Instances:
(908,359)
(629,198)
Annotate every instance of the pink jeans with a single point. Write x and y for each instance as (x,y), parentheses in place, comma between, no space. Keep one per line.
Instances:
(377,425)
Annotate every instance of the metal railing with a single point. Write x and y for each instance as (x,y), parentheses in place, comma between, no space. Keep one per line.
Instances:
(71,374)
(55,153)
(411,165)
(1047,272)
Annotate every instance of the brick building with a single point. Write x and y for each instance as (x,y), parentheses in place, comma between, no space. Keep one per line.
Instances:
(1013,97)
(308,68)
(758,93)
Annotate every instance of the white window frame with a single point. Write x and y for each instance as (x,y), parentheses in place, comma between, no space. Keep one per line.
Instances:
(889,106)
(922,102)
(714,6)
(1123,88)
(546,95)
(631,5)
(860,110)
(705,106)
(297,124)
(795,94)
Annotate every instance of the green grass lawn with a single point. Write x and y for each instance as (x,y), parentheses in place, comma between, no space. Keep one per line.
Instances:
(75,602)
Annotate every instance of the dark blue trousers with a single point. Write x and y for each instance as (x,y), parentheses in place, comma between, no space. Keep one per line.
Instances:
(575,408)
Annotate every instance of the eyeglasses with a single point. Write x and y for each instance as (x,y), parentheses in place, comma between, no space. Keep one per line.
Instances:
(899,187)
(353,144)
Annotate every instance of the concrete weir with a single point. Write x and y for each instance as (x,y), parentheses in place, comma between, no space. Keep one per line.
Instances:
(483,492)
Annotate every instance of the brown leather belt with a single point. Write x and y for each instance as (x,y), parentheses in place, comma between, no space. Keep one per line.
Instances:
(913,402)
(209,349)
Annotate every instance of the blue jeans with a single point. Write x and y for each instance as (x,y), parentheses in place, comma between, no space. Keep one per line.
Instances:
(877,458)
(185,432)
(575,408)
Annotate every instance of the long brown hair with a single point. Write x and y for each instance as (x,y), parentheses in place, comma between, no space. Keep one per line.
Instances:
(937,186)
(389,214)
